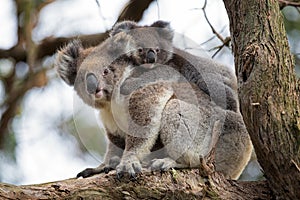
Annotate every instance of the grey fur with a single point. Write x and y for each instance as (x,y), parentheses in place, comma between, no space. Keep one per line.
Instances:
(213,78)
(166,120)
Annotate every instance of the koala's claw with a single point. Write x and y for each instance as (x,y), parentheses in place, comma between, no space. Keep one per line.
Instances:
(107,169)
(133,177)
(132,166)
(120,175)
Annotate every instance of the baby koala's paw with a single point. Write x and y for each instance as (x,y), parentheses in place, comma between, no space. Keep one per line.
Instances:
(129,164)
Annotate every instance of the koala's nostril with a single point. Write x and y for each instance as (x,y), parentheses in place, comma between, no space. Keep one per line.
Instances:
(151,56)
(91,83)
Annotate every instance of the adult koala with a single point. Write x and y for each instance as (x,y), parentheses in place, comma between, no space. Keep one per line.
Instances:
(157,115)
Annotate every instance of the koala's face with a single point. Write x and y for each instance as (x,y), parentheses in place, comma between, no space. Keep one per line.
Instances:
(94,72)
(96,81)
(91,85)
(152,44)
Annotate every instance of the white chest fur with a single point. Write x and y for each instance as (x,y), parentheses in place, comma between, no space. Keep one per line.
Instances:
(120,102)
(109,122)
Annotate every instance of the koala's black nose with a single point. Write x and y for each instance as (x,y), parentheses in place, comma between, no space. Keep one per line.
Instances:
(151,56)
(91,83)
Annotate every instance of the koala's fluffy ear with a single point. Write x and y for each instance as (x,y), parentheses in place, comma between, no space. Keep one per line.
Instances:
(165,29)
(161,24)
(67,61)
(124,26)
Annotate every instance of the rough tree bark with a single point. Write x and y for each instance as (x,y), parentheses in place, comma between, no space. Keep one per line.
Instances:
(268,91)
(185,184)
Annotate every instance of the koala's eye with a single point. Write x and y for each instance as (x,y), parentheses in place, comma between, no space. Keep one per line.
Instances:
(111,68)
(140,50)
(157,50)
(105,72)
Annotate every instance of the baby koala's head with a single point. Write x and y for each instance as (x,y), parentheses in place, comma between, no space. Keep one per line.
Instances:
(151,44)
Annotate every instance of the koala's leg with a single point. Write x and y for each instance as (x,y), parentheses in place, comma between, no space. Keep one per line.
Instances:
(185,133)
(135,151)
(145,107)
(112,157)
(223,95)
(234,147)
(216,81)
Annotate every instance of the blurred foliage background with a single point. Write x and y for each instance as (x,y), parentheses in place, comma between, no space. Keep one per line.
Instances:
(46,132)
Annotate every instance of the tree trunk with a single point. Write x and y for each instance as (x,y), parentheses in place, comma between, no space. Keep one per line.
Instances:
(268,91)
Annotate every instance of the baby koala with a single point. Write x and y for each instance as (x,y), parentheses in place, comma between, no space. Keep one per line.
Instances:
(153,44)
(166,121)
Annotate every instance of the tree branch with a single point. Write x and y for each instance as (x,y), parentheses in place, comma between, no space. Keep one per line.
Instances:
(183,184)
(225,42)
(15,94)
(283,3)
(210,25)
(134,10)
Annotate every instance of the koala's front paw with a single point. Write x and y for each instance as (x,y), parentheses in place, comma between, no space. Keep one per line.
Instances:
(129,164)
(113,162)
(163,164)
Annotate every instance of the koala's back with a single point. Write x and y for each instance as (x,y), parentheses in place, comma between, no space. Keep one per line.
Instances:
(204,66)
(216,80)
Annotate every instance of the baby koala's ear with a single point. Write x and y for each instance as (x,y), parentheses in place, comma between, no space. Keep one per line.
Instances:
(124,26)
(67,61)
(164,30)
